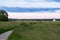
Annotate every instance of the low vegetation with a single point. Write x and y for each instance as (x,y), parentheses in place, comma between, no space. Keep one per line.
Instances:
(32,30)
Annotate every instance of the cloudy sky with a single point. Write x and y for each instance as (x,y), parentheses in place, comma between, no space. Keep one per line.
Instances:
(42,5)
(51,6)
(31,3)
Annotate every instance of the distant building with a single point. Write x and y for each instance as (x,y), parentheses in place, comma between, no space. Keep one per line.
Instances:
(54,19)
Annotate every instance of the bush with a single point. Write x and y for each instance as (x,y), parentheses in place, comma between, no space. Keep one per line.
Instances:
(3,17)
(26,25)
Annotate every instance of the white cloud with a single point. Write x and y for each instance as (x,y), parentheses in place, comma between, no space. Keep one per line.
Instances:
(58,11)
(36,0)
(31,3)
(36,15)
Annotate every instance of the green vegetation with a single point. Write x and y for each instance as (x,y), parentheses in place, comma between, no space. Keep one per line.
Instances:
(4,12)
(3,15)
(32,30)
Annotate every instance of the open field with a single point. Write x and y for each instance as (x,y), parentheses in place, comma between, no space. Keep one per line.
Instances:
(32,30)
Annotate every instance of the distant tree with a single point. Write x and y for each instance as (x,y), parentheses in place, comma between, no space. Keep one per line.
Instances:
(3,15)
(4,12)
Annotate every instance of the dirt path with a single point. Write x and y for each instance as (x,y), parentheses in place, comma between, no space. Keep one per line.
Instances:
(5,35)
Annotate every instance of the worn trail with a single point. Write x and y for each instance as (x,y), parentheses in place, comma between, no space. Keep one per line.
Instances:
(4,36)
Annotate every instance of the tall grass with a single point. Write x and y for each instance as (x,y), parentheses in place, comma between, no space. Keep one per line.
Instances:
(32,30)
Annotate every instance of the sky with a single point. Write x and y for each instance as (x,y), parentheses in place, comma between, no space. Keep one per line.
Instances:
(50,8)
(30,3)
(44,15)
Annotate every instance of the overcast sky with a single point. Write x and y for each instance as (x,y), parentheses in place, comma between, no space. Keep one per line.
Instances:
(31,3)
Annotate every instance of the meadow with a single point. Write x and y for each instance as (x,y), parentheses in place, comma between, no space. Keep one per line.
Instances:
(32,30)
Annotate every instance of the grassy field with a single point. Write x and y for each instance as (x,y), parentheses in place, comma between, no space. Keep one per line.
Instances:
(32,30)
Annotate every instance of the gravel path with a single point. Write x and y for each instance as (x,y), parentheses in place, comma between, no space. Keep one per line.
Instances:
(5,35)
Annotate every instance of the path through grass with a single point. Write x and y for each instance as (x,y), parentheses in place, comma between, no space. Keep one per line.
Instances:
(35,30)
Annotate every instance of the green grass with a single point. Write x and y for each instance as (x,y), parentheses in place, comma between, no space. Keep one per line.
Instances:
(32,30)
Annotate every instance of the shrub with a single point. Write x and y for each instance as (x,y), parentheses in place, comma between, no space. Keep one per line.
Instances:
(3,12)
(26,25)
(3,17)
